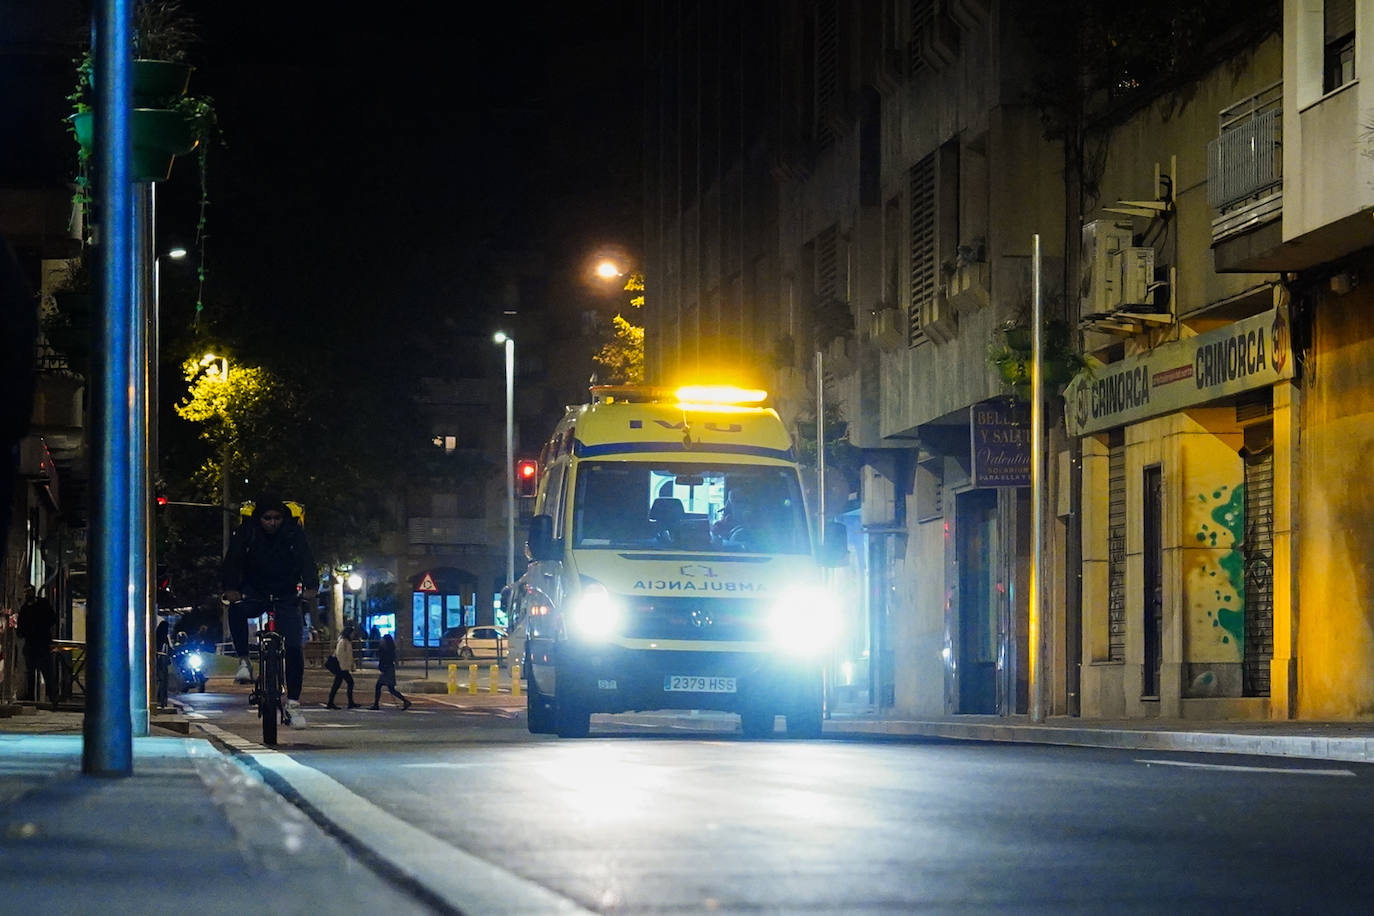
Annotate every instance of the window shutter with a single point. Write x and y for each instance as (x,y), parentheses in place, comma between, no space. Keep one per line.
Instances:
(827,71)
(922,19)
(924,286)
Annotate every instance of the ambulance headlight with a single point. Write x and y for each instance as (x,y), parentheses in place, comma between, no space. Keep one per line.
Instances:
(804,621)
(595,614)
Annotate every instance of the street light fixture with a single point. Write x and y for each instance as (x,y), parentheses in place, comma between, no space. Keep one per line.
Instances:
(502,337)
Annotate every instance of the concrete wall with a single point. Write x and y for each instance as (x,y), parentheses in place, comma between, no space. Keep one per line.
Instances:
(1328,171)
(1336,510)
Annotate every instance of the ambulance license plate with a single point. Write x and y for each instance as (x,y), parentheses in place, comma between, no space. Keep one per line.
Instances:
(696,683)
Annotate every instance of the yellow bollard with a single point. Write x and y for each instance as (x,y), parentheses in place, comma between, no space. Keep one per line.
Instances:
(472,678)
(494,679)
(452,678)
(515,679)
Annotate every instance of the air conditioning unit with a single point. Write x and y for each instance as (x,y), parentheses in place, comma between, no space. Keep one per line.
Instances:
(1137,273)
(1100,280)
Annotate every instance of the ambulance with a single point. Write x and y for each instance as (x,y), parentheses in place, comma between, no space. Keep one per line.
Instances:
(673,565)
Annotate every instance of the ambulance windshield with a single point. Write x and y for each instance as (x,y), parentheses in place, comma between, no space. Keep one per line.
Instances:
(693,507)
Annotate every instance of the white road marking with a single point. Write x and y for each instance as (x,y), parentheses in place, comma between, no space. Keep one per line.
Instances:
(335,725)
(439,766)
(1235,768)
(468,883)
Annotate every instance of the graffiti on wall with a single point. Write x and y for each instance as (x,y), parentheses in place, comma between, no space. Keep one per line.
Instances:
(1217,594)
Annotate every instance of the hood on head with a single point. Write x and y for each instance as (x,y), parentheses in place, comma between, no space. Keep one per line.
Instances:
(266,503)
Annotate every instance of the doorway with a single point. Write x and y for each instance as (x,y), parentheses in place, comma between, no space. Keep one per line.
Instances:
(977,554)
(1153,581)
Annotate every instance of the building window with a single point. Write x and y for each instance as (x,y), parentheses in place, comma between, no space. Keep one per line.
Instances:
(1338,42)
(448,443)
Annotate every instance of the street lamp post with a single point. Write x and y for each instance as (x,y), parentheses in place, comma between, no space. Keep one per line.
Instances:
(503,338)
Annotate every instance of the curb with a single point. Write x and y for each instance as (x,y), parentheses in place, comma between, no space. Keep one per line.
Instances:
(1350,749)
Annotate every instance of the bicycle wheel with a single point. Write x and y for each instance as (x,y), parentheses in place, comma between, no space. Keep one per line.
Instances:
(269,702)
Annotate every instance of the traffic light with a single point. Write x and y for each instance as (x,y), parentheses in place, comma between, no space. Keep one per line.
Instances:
(161,499)
(526,476)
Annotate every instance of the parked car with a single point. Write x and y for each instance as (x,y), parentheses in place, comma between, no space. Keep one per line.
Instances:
(478,642)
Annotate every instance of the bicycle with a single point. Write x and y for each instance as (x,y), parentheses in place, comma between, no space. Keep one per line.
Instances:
(269,687)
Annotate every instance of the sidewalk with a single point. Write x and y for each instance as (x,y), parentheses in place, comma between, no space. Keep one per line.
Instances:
(191,831)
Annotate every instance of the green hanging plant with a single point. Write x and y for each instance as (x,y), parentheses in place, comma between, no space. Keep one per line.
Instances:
(167,121)
(1010,352)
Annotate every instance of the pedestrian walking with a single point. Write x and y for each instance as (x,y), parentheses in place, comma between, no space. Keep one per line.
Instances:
(37,623)
(386,666)
(341,663)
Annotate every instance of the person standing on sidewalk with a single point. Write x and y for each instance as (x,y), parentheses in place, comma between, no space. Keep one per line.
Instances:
(37,622)
(342,667)
(268,557)
(386,666)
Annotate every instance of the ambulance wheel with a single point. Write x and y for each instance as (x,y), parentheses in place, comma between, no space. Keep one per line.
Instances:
(571,718)
(757,722)
(804,721)
(538,710)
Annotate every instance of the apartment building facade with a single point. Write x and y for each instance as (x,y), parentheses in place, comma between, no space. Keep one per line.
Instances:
(865,180)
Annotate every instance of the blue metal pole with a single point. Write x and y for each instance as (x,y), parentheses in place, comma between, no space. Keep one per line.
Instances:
(107,748)
(140,544)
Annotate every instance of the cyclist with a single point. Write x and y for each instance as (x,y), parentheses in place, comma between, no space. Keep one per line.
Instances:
(268,557)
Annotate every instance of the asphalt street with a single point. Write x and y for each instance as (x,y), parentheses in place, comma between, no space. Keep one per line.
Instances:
(455,799)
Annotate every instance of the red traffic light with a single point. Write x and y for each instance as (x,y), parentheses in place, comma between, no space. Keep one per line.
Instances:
(161,500)
(526,476)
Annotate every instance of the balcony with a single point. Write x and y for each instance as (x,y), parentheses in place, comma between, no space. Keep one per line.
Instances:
(1245,167)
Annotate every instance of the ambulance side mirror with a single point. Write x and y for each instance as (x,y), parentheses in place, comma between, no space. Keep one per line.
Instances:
(541,543)
(835,551)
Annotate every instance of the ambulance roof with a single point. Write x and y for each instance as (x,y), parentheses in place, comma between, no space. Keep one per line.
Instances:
(627,421)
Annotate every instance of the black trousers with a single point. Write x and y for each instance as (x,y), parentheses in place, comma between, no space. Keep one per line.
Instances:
(392,687)
(290,624)
(38,657)
(341,677)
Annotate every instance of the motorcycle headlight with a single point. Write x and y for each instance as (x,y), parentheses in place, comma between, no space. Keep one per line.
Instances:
(804,621)
(594,614)
(195,661)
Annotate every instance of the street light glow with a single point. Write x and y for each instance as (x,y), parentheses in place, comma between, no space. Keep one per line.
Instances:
(216,367)
(177,253)
(608,270)
(355,581)
(500,337)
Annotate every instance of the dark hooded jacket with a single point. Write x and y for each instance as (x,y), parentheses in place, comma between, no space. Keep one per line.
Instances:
(261,564)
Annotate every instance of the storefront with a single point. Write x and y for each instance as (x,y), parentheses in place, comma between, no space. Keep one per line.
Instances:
(1187,466)
(441,599)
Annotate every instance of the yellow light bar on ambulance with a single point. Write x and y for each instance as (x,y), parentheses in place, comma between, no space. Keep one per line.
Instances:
(719,395)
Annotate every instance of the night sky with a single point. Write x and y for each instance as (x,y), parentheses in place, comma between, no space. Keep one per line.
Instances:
(373,158)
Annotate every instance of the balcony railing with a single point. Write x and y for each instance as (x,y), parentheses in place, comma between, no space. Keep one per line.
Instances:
(1245,163)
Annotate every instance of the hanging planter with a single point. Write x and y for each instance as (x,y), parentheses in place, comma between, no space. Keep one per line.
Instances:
(157,81)
(1060,362)
(159,135)
(1018,338)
